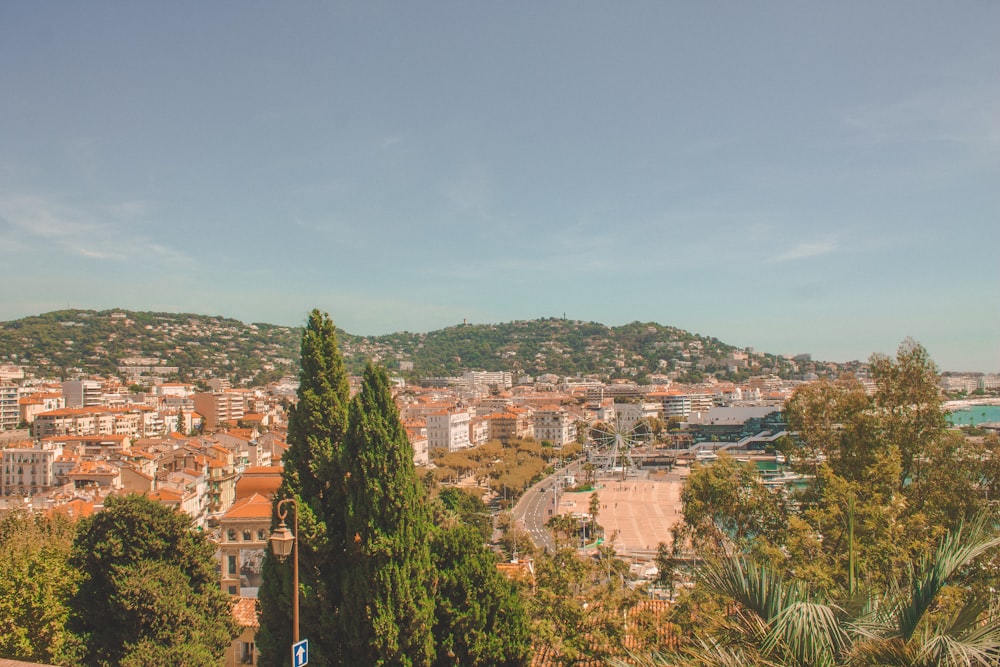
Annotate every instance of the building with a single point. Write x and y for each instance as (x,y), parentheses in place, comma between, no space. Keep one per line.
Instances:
(34,404)
(554,424)
(26,471)
(515,423)
(448,429)
(243,650)
(83,393)
(219,408)
(499,379)
(245,528)
(10,410)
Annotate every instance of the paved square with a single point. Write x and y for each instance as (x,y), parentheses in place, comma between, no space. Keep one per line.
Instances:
(642,510)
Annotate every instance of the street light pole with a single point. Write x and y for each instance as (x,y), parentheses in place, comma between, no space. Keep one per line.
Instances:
(284,542)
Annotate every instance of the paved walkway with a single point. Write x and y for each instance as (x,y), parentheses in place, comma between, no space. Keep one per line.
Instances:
(642,510)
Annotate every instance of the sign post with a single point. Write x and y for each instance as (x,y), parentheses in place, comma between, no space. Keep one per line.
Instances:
(300,653)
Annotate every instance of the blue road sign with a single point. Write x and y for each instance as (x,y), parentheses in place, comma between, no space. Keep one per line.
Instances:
(300,653)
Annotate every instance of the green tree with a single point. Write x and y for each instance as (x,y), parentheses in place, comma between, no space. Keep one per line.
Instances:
(774,620)
(907,402)
(480,619)
(36,585)
(148,584)
(725,500)
(387,579)
(314,476)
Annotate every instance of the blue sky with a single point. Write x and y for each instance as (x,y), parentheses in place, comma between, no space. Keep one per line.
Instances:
(796,177)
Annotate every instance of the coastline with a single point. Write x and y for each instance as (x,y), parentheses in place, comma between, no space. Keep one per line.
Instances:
(950,406)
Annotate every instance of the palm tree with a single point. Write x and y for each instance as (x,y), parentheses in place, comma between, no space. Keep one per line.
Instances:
(778,623)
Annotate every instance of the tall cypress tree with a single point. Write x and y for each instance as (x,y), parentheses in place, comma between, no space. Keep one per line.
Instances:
(388,607)
(480,618)
(313,475)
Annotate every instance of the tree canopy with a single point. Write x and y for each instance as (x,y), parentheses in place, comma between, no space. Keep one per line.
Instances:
(148,583)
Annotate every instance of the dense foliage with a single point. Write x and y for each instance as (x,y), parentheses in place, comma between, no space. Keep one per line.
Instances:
(387,579)
(68,343)
(878,557)
(36,586)
(148,587)
(370,592)
(132,585)
(313,476)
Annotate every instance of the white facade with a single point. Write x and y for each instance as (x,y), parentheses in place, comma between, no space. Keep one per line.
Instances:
(27,471)
(448,429)
(83,393)
(555,425)
(502,379)
(10,410)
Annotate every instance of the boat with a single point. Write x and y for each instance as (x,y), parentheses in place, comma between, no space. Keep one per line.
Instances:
(705,455)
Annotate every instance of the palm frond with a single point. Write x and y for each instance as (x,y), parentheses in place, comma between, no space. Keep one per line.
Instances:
(811,632)
(956,550)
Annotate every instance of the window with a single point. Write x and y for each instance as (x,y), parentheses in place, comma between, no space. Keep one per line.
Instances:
(233,591)
(246,654)
(232,564)
(260,535)
(231,534)
(246,536)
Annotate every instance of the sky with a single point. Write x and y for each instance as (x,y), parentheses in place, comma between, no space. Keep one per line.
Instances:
(796,177)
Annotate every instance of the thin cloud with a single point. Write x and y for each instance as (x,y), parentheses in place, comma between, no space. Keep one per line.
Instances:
(807,250)
(963,115)
(78,232)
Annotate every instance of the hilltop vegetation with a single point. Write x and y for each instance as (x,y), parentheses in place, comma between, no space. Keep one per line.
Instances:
(70,343)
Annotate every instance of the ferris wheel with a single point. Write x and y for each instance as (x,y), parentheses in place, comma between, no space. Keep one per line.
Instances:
(610,447)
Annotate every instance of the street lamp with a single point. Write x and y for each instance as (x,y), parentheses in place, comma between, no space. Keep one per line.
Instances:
(284,543)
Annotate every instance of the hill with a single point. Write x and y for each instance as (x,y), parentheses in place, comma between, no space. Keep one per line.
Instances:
(188,347)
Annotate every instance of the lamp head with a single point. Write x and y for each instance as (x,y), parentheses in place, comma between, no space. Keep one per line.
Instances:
(282,540)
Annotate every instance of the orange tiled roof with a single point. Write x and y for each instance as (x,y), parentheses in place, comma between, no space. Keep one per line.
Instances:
(245,612)
(254,506)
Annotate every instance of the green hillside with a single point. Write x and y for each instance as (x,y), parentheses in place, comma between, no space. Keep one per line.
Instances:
(69,343)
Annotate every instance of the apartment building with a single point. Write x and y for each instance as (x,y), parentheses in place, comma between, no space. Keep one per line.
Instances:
(515,423)
(135,422)
(25,471)
(499,379)
(673,404)
(83,393)
(555,424)
(219,407)
(34,404)
(448,429)
(10,411)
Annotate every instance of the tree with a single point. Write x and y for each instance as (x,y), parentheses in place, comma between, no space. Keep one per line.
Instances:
(725,500)
(909,623)
(314,476)
(387,580)
(908,404)
(36,585)
(480,619)
(148,585)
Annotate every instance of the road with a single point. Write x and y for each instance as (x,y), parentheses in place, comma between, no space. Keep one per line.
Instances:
(539,503)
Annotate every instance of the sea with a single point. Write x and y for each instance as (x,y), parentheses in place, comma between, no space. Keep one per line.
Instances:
(971,415)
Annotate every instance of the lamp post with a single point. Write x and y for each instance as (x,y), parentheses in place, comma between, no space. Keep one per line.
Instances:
(284,542)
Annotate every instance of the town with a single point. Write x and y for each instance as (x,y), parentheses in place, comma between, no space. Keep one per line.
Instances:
(214,451)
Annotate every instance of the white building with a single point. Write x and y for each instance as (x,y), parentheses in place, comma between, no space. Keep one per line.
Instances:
(25,471)
(502,379)
(10,410)
(83,393)
(448,429)
(555,424)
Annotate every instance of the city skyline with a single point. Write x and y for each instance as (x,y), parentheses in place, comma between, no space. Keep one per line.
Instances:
(796,179)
